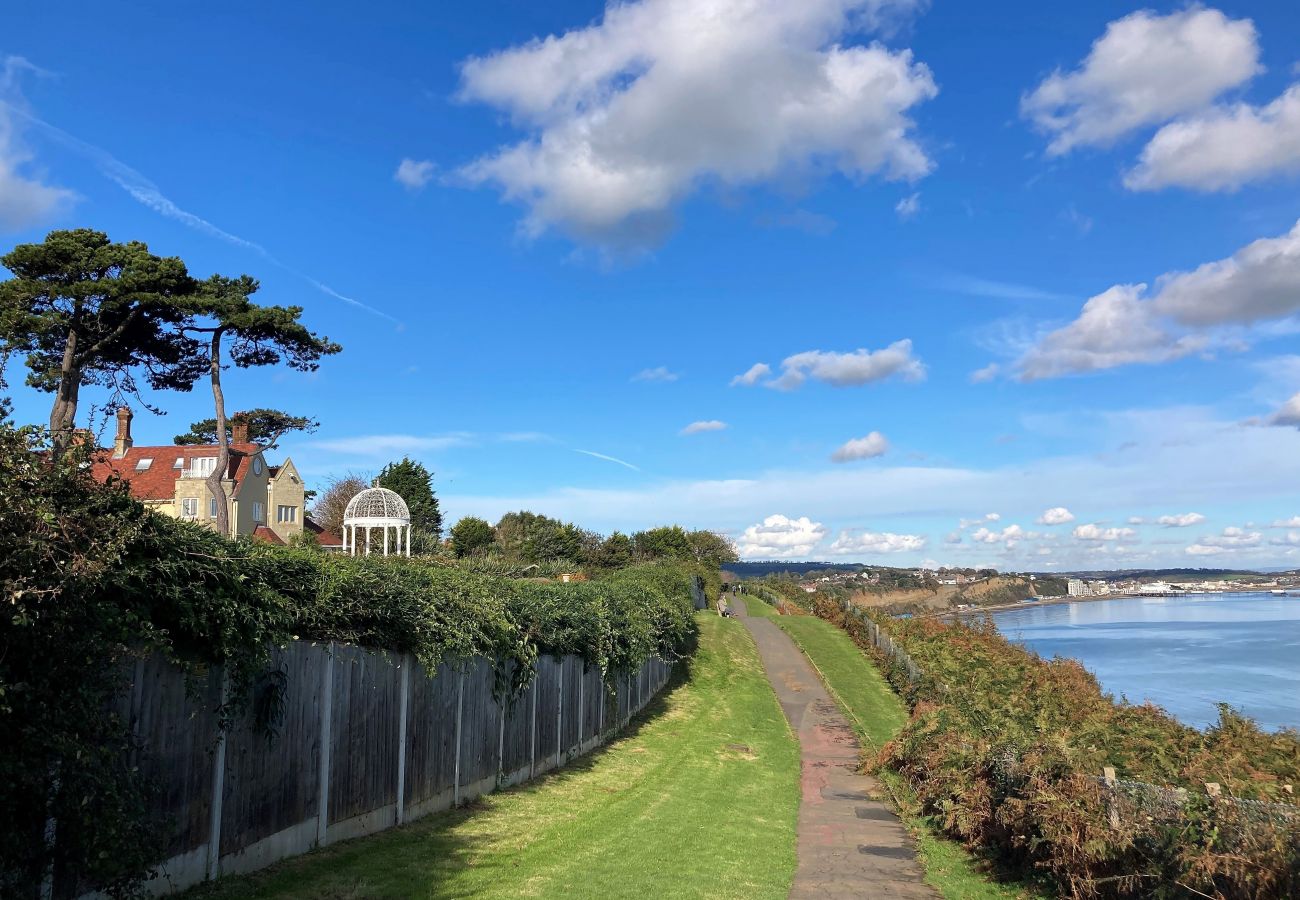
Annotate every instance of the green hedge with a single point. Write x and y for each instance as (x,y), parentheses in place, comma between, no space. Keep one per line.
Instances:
(91,579)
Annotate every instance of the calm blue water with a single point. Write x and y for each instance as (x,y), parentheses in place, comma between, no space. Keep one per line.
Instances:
(1182,653)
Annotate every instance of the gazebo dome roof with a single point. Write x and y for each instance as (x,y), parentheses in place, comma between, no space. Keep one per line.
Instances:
(376,506)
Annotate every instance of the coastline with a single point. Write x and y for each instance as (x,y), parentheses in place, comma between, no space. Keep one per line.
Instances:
(1059,601)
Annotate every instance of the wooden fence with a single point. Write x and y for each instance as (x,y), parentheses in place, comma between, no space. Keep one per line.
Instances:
(364,741)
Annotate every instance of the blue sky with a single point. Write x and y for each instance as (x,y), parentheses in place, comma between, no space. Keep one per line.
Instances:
(552,238)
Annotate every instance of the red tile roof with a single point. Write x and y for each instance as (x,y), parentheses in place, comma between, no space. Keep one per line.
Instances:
(323,537)
(262,533)
(158,482)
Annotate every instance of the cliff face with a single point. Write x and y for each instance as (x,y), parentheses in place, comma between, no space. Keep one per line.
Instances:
(988,592)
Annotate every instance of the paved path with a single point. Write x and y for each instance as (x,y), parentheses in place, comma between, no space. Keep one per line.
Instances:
(849,844)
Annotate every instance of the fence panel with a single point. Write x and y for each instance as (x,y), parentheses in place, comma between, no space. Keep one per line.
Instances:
(431,738)
(363,755)
(549,672)
(480,730)
(517,742)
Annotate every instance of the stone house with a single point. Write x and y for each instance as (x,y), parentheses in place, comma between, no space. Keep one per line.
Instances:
(265,501)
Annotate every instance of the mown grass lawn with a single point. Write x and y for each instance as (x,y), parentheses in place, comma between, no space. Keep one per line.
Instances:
(698,799)
(878,714)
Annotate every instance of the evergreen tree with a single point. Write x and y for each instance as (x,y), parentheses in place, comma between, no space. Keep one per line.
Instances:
(471,536)
(414,483)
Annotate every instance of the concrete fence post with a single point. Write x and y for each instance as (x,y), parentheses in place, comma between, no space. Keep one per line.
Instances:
(218,790)
(404,661)
(501,739)
(559,713)
(1112,809)
(326,739)
(532,739)
(460,703)
(582,679)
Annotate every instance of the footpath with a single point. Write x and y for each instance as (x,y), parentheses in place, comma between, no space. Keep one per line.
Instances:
(849,844)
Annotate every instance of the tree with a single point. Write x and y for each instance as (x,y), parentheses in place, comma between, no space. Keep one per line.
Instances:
(261,336)
(712,549)
(414,483)
(668,542)
(333,502)
(265,427)
(85,310)
(615,552)
(471,536)
(536,538)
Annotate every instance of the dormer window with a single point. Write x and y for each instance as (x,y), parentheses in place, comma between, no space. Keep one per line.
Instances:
(180,463)
(142,465)
(202,466)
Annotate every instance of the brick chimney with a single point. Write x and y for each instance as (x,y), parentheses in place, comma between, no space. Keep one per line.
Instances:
(123,442)
(238,430)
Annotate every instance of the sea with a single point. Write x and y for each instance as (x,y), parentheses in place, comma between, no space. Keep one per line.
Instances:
(1186,654)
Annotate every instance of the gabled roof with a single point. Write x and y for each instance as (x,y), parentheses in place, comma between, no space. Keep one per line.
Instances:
(158,481)
(262,533)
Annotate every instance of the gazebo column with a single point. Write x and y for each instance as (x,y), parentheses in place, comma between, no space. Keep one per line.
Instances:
(385,540)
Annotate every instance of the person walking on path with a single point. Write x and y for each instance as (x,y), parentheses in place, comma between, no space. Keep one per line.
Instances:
(849,844)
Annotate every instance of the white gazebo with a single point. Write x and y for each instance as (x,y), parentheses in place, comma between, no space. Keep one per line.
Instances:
(376,507)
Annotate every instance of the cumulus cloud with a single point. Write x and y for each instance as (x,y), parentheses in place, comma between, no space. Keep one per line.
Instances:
(869,447)
(1293,522)
(658,373)
(839,369)
(876,542)
(1010,536)
(1057,515)
(1232,539)
(628,116)
(703,426)
(1186,312)
(952,537)
(1290,539)
(752,376)
(988,373)
(1094,532)
(1183,520)
(1288,415)
(1223,148)
(781,537)
(413,174)
(1144,70)
(25,199)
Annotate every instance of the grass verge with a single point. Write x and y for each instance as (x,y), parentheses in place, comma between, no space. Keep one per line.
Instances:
(698,799)
(878,714)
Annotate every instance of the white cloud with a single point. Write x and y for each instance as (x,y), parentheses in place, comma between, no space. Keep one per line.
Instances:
(1293,522)
(1183,520)
(413,174)
(658,373)
(1115,328)
(839,369)
(952,537)
(1057,515)
(1290,539)
(909,206)
(988,373)
(1144,70)
(392,444)
(781,537)
(628,116)
(703,426)
(25,200)
(993,517)
(1093,532)
(1232,539)
(752,376)
(1223,148)
(1259,281)
(876,542)
(1288,415)
(1010,535)
(873,445)
(1186,313)
(1137,520)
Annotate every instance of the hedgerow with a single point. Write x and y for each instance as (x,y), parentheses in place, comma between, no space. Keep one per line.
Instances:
(1005,751)
(91,579)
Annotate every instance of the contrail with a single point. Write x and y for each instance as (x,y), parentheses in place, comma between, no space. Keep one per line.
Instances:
(613,459)
(148,194)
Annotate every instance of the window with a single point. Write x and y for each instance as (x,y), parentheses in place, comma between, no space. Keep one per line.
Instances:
(203,466)
(143,464)
(180,463)
(259,512)
(190,507)
(286,514)
(212,507)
